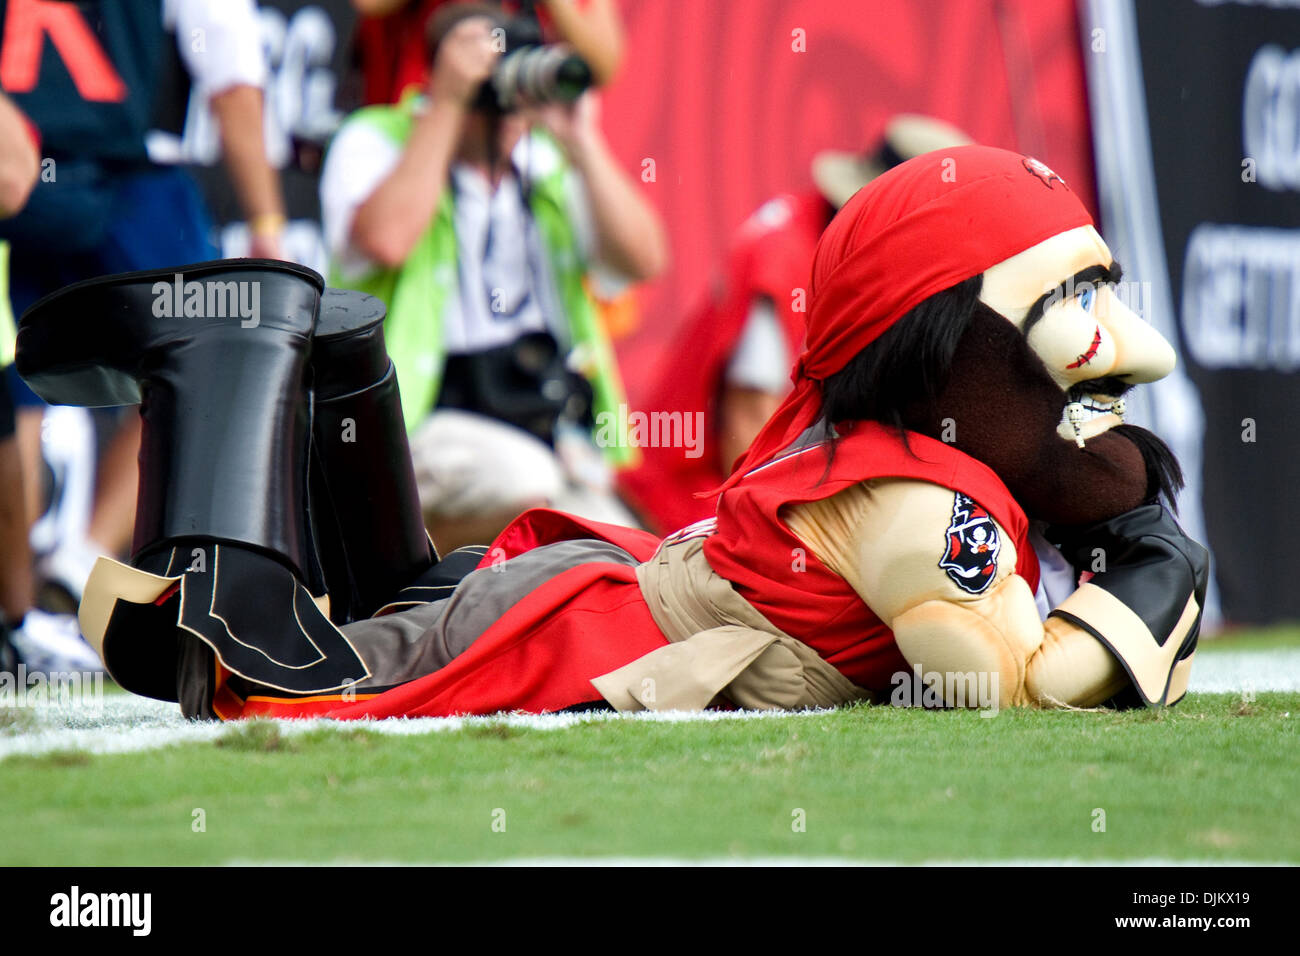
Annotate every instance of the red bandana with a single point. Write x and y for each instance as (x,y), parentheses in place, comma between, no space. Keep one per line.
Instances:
(920,228)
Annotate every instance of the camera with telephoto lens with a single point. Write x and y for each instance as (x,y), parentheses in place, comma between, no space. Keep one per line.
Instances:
(531,71)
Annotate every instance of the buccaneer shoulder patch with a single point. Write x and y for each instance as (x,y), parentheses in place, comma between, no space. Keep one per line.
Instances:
(971,548)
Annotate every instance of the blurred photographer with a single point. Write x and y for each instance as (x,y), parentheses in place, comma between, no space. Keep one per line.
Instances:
(391,54)
(481,234)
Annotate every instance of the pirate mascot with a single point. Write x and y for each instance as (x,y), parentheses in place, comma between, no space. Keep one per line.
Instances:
(959,406)
(731,357)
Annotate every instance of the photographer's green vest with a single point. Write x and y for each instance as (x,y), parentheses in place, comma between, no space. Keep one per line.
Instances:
(417,293)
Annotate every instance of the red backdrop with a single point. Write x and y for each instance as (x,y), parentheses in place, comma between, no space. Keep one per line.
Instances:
(716,93)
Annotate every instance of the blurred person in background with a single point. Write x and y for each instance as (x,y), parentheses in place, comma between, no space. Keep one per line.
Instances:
(20,160)
(95,79)
(392,54)
(481,236)
(731,359)
(27,635)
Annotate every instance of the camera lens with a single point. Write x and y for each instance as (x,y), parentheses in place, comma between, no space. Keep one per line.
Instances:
(540,74)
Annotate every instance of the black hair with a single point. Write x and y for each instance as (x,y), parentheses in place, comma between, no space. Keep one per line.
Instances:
(1164,474)
(907,367)
(450,15)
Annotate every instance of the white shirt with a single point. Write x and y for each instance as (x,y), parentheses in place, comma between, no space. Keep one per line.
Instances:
(761,359)
(220,42)
(504,287)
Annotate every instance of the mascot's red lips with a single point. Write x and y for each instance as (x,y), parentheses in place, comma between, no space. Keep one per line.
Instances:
(1089,355)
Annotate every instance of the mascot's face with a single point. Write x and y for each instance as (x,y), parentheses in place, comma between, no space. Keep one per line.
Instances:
(1061,294)
(1036,386)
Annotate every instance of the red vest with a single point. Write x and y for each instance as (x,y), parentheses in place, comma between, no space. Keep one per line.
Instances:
(775,571)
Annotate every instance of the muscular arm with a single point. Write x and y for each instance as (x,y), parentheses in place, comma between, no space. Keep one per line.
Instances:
(886,538)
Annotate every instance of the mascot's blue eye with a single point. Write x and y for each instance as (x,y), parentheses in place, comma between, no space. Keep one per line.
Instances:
(1085,298)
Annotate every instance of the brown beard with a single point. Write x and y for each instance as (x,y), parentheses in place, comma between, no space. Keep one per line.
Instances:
(1002,407)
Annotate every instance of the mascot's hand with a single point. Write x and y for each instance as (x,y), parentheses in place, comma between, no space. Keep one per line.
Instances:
(1120,541)
(1142,597)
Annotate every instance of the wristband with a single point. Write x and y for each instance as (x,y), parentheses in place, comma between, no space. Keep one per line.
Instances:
(267,224)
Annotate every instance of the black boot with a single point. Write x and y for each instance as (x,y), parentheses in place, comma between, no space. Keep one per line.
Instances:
(365,510)
(216,353)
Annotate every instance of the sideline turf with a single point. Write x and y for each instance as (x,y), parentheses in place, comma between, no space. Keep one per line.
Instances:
(1281,637)
(1214,778)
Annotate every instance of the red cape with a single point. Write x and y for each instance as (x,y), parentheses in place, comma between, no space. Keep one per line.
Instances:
(540,656)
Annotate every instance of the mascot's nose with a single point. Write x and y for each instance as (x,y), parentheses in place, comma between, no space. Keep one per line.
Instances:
(1106,340)
(1141,353)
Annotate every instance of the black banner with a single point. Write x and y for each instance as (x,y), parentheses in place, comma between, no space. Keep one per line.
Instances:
(1221,84)
(340,907)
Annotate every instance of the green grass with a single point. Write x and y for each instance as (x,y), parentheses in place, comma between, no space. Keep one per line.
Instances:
(1214,778)
(1282,637)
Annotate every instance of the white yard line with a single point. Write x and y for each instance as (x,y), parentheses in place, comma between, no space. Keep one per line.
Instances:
(1216,672)
(123,723)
